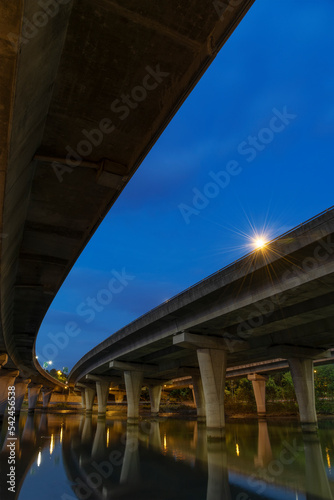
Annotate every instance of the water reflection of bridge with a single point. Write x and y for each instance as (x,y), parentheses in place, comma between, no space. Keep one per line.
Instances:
(110,459)
(146,460)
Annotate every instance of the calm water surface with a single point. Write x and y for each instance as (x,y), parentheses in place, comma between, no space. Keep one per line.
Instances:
(69,457)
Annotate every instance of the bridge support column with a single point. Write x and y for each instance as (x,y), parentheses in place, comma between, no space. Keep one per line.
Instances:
(7,379)
(21,386)
(89,398)
(83,399)
(303,381)
(102,390)
(212,364)
(199,397)
(33,393)
(133,384)
(259,388)
(155,397)
(46,393)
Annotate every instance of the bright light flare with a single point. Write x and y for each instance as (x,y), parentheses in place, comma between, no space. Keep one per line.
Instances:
(259,242)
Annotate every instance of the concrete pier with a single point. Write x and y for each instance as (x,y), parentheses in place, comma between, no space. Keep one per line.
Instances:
(259,388)
(21,386)
(133,384)
(155,397)
(7,379)
(46,394)
(90,393)
(102,391)
(302,372)
(212,364)
(199,397)
(33,393)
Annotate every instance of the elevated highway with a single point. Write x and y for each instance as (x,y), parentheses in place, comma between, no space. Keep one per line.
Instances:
(274,304)
(87,88)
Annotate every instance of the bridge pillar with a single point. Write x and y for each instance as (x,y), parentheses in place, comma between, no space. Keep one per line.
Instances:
(303,380)
(259,388)
(212,365)
(102,390)
(46,394)
(21,386)
(7,379)
(33,393)
(83,399)
(199,397)
(155,397)
(89,398)
(133,384)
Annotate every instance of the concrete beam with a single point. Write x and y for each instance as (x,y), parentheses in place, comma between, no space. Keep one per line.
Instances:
(296,351)
(193,341)
(102,378)
(123,365)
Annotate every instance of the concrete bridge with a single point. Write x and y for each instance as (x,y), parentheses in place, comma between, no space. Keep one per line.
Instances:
(87,87)
(275,304)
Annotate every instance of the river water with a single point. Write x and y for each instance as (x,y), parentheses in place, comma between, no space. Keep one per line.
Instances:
(69,457)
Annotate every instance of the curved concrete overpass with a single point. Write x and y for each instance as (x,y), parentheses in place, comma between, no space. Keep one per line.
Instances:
(274,304)
(87,88)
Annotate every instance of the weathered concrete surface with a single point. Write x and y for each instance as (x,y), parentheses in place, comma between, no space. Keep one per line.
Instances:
(85,95)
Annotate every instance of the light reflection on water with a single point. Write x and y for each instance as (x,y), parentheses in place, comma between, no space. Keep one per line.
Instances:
(76,457)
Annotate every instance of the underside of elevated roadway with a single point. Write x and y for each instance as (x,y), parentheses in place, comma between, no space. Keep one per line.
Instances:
(120,68)
(274,304)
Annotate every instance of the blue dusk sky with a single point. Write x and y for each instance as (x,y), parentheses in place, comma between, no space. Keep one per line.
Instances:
(251,149)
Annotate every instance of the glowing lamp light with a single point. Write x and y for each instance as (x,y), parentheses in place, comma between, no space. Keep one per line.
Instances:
(259,243)
(49,362)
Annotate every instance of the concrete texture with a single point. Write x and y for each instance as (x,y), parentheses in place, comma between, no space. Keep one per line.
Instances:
(303,380)
(259,388)
(212,365)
